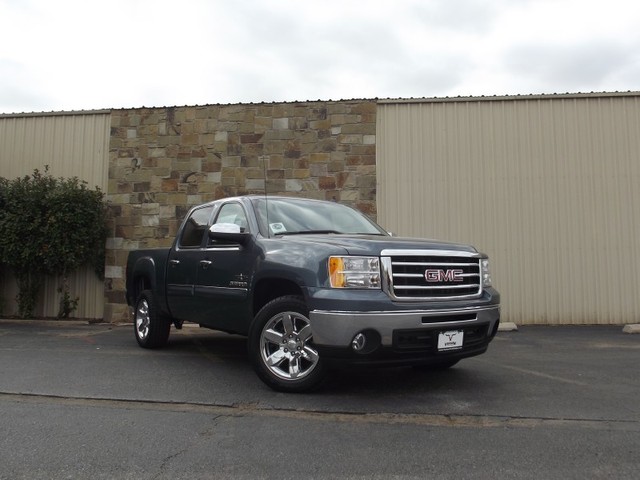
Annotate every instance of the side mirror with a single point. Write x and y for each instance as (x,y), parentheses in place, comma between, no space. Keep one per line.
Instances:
(228,232)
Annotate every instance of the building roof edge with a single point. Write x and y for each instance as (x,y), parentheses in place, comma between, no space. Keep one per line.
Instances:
(496,98)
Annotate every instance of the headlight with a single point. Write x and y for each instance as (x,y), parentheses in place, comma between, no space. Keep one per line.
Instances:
(486,273)
(354,272)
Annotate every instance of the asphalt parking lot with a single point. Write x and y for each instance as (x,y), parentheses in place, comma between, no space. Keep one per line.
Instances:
(84,401)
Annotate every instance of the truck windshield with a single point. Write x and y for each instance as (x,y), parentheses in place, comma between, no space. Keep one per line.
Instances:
(291,216)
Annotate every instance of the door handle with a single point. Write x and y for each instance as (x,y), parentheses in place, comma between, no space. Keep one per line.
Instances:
(205,264)
(173,263)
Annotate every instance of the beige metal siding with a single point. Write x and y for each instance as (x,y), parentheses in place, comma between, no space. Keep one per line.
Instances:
(547,186)
(73,144)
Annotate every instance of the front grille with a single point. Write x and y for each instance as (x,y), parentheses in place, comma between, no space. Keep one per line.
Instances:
(433,277)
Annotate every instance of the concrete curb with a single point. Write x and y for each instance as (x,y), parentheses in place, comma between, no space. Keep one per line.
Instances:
(507,327)
(632,328)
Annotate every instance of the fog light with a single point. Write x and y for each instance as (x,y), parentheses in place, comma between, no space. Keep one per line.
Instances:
(358,343)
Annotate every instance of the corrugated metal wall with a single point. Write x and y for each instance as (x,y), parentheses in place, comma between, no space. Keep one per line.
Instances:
(71,144)
(548,186)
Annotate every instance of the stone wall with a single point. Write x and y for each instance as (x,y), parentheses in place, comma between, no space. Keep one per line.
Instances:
(163,161)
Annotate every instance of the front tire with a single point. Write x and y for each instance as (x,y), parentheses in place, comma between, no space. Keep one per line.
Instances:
(281,346)
(150,327)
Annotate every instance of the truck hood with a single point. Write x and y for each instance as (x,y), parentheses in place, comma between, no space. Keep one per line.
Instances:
(373,244)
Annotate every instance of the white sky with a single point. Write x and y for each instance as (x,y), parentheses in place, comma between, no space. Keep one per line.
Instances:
(93,54)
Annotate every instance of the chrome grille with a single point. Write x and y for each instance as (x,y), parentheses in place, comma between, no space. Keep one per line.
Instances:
(424,275)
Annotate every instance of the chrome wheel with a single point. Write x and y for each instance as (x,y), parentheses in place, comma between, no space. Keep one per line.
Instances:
(285,346)
(150,326)
(142,319)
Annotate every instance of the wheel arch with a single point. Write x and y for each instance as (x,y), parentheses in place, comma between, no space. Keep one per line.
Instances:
(141,281)
(143,277)
(267,289)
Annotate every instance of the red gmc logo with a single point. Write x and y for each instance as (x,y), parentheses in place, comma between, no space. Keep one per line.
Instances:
(433,275)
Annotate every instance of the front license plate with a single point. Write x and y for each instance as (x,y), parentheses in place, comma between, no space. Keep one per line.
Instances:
(451,340)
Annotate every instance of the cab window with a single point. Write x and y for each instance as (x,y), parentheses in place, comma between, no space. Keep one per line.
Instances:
(195,227)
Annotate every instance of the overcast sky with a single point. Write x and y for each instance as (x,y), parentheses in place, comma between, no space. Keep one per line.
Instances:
(93,54)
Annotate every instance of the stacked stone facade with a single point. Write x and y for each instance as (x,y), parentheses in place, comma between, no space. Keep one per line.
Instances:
(163,161)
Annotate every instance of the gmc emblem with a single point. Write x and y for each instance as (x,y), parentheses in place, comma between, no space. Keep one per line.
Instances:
(433,275)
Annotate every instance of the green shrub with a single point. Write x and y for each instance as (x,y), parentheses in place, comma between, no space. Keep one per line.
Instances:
(50,227)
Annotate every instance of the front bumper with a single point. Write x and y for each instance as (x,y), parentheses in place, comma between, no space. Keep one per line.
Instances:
(403,337)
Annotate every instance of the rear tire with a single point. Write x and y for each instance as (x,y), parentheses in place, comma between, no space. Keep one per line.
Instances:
(281,347)
(150,327)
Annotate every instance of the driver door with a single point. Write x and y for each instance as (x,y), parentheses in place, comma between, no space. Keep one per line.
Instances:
(223,277)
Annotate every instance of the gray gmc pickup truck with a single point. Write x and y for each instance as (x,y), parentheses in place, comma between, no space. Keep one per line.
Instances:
(313,284)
